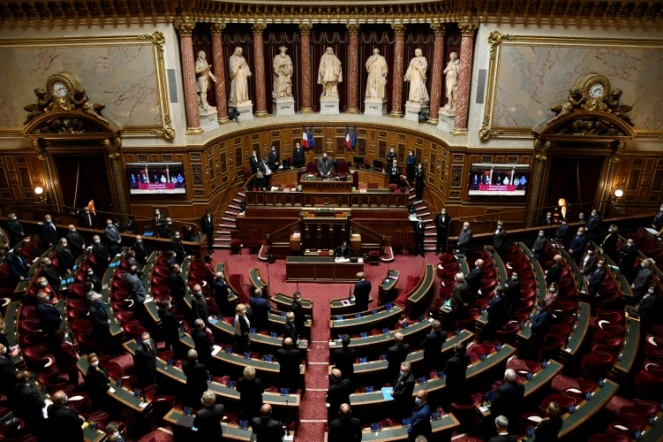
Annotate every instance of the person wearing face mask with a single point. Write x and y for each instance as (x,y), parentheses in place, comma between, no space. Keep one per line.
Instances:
(166,229)
(555,272)
(254,161)
(113,237)
(260,310)
(51,274)
(419,237)
(512,293)
(419,183)
(473,280)
(207,227)
(551,297)
(391,156)
(140,249)
(101,256)
(75,241)
(50,320)
(135,288)
(395,356)
(561,233)
(539,324)
(455,371)
(650,308)
(581,217)
(17,266)
(410,162)
(609,244)
(187,232)
(657,222)
(298,156)
(394,173)
(93,279)
(132,261)
(199,304)
(63,420)
(465,239)
(27,403)
(421,425)
(627,257)
(496,314)
(289,329)
(588,262)
(196,379)
(65,258)
(577,246)
(643,278)
(402,392)
(593,226)
(274,159)
(87,219)
(242,328)
(596,278)
(346,428)
(113,433)
(289,359)
(49,233)
(16,230)
(442,223)
(548,220)
(338,393)
(175,282)
(100,322)
(145,361)
(7,371)
(499,237)
(540,244)
(66,357)
(177,246)
(298,310)
(157,220)
(170,326)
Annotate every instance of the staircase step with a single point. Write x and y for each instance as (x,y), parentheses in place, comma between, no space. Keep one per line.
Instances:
(430,234)
(223,232)
(429,248)
(430,241)
(236,200)
(227,218)
(427,220)
(230,212)
(232,206)
(221,246)
(222,239)
(412,196)
(430,227)
(242,194)
(228,225)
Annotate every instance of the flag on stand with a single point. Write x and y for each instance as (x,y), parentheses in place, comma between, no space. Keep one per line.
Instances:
(354,137)
(304,138)
(347,140)
(311,142)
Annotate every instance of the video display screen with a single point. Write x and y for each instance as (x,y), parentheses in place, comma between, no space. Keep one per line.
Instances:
(156,178)
(499,179)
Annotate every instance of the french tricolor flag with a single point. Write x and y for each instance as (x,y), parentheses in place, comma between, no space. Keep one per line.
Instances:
(304,138)
(347,142)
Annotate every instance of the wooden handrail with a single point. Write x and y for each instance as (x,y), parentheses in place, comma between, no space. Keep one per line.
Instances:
(223,195)
(370,233)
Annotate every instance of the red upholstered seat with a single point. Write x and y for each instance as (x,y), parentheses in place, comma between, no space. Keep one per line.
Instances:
(609,438)
(342,170)
(596,365)
(392,187)
(374,257)
(508,332)
(311,168)
(560,399)
(235,246)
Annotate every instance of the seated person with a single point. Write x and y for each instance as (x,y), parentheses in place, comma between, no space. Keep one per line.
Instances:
(343,251)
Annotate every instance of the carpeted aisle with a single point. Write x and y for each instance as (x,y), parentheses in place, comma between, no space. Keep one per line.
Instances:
(313,412)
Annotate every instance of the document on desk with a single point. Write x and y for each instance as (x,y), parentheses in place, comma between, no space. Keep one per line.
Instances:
(386,393)
(216,350)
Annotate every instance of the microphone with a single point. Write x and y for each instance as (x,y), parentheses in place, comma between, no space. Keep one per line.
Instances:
(287,426)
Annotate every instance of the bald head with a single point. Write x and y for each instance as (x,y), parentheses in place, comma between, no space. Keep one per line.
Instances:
(344,411)
(478,263)
(59,398)
(287,342)
(557,258)
(336,374)
(266,411)
(398,337)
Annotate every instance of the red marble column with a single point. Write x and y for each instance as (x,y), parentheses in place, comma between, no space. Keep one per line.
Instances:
(436,73)
(465,74)
(305,60)
(399,60)
(259,67)
(189,77)
(219,68)
(353,69)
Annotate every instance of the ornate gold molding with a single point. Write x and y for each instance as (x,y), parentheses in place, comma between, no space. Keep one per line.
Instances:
(217,28)
(305,28)
(399,28)
(185,26)
(494,40)
(258,28)
(353,28)
(438,28)
(468,27)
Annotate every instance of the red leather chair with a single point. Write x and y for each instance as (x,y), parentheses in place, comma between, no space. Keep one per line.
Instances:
(311,169)
(507,334)
(596,365)
(560,399)
(235,246)
(37,358)
(342,170)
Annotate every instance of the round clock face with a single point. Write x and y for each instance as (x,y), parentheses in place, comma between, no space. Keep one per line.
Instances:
(60,90)
(596,90)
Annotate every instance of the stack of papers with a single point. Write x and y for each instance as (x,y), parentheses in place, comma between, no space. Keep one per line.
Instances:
(386,393)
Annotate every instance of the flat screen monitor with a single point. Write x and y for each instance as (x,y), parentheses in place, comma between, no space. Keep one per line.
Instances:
(156,178)
(378,164)
(487,179)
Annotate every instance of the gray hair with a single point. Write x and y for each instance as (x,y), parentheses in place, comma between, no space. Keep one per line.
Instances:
(502,422)
(460,276)
(510,375)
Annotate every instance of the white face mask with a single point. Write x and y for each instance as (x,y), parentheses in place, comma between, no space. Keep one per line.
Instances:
(540,234)
(553,290)
(95,364)
(48,220)
(599,265)
(642,264)
(97,241)
(43,284)
(109,225)
(464,227)
(114,436)
(514,277)
(72,230)
(417,401)
(170,223)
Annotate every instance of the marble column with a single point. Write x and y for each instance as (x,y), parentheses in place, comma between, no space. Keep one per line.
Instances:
(185,30)
(399,60)
(259,68)
(436,73)
(305,60)
(353,69)
(467,30)
(219,68)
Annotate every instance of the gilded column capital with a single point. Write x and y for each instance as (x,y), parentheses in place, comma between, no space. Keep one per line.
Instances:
(438,28)
(467,27)
(305,28)
(184,27)
(353,28)
(217,28)
(258,28)
(399,28)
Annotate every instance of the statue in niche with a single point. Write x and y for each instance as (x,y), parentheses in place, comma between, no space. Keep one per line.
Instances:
(377,69)
(239,75)
(204,73)
(329,73)
(416,76)
(573,103)
(282,66)
(452,70)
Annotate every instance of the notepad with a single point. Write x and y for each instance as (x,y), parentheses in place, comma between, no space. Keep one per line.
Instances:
(386,393)
(216,349)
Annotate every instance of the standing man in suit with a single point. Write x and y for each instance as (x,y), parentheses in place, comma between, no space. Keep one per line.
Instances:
(442,224)
(97,382)
(553,273)
(396,355)
(51,274)
(7,371)
(157,220)
(274,159)
(561,233)
(17,266)
(432,346)
(196,379)
(325,166)
(27,403)
(540,324)
(113,237)
(588,262)
(501,426)
(362,292)
(166,229)
(593,226)
(508,398)
(199,304)
(338,393)
(49,233)
(577,246)
(657,222)
(343,251)
(176,282)
(66,259)
(145,361)
(289,359)
(75,240)
(455,372)
(250,391)
(208,419)
(609,244)
(63,420)
(391,156)
(643,278)
(344,358)
(221,294)
(260,310)
(465,239)
(265,428)
(135,287)
(627,257)
(100,322)
(402,392)
(548,220)
(254,161)
(49,318)
(394,173)
(170,326)
(650,309)
(202,342)
(540,245)
(298,155)
(459,304)
(499,237)
(345,428)
(421,425)
(473,280)
(15,230)
(177,246)
(140,249)
(595,279)
(207,226)
(87,220)
(419,236)
(497,314)
(298,310)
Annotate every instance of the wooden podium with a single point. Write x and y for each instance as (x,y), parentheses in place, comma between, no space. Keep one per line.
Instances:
(320,227)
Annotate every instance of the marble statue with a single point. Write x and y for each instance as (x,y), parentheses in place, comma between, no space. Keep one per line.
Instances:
(377,69)
(282,66)
(416,75)
(451,71)
(204,73)
(239,75)
(329,73)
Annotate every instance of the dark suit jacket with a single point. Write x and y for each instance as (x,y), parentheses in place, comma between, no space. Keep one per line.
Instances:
(267,430)
(7,374)
(419,232)
(609,246)
(112,234)
(16,231)
(554,273)
(64,421)
(28,402)
(344,430)
(99,319)
(141,252)
(465,238)
(196,379)
(361,293)
(657,222)
(145,365)
(642,281)
(289,361)
(49,233)
(290,331)
(473,280)
(97,383)
(548,430)
(391,156)
(508,400)
(421,425)
(344,359)
(207,226)
(561,232)
(504,438)
(76,242)
(298,154)
(395,355)
(199,308)
(176,285)
(402,393)
(588,267)
(101,255)
(176,245)
(259,312)
(17,266)
(49,317)
(300,317)
(539,245)
(459,296)
(345,253)
(596,278)
(578,244)
(203,344)
(169,325)
(325,167)
(394,171)
(250,396)
(89,222)
(455,371)
(208,423)
(442,227)
(51,275)
(496,312)
(594,223)
(651,307)
(499,238)
(273,158)
(254,161)
(432,346)
(627,257)
(337,394)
